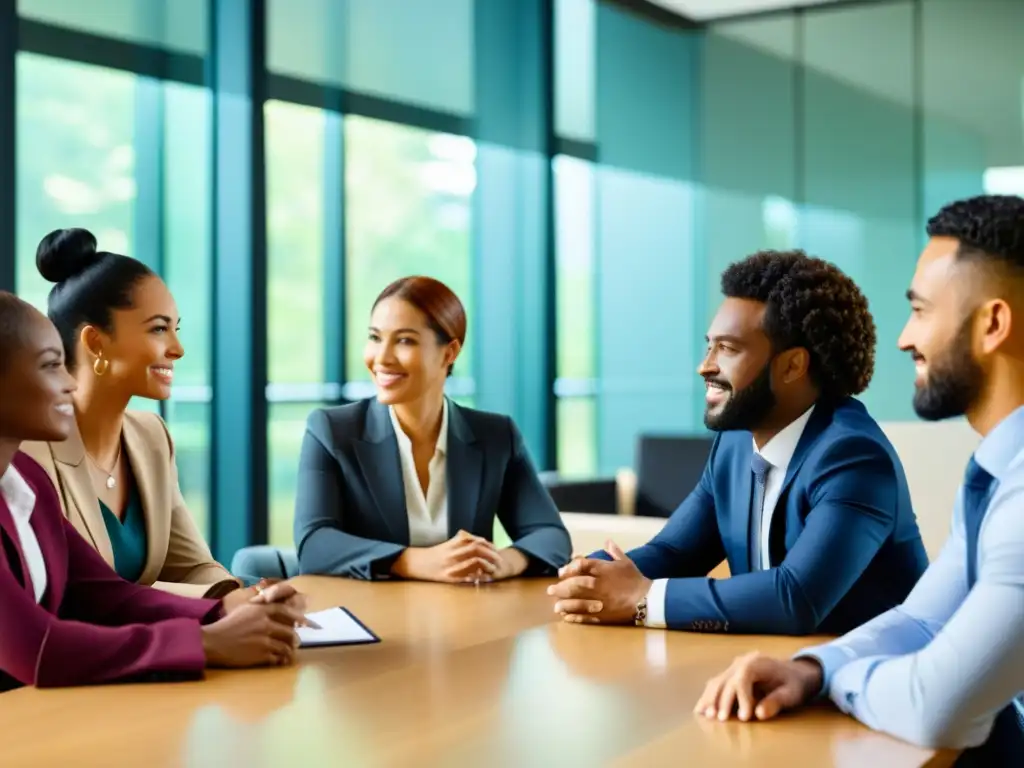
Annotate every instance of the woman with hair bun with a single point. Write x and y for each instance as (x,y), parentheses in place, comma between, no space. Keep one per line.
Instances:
(116,473)
(408,484)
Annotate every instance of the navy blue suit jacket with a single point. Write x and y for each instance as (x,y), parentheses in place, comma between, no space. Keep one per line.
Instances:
(844,543)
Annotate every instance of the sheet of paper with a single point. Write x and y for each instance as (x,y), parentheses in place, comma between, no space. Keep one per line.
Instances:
(338,628)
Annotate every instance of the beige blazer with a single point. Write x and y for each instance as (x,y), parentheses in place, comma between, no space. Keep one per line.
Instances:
(178,559)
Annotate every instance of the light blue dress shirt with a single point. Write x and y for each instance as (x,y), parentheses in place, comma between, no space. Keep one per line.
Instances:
(937,670)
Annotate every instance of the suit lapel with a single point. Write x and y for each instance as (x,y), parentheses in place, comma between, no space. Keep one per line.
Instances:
(463,473)
(820,419)
(47,523)
(150,481)
(48,527)
(741,512)
(378,458)
(79,495)
(7,524)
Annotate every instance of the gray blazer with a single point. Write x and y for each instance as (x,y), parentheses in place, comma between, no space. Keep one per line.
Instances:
(350,510)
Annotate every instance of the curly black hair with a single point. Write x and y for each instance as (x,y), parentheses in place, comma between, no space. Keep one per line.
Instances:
(811,304)
(987,226)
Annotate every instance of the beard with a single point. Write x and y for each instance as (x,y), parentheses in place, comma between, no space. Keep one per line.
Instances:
(953,382)
(746,408)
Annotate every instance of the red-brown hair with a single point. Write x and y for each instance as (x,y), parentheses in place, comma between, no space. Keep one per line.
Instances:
(444,311)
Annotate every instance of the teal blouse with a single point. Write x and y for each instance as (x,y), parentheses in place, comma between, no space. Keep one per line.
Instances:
(128,536)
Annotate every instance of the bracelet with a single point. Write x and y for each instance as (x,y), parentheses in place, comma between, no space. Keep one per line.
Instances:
(640,617)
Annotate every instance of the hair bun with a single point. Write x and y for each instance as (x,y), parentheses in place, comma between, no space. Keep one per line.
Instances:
(65,253)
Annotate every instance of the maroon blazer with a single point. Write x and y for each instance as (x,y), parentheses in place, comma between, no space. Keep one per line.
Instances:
(91,626)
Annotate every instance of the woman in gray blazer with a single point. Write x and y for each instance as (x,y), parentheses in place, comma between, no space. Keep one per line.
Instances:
(409,484)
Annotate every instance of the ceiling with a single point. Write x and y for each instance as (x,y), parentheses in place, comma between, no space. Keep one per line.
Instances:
(972,69)
(703,10)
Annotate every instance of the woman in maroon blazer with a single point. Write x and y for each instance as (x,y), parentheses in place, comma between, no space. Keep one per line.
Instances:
(67,617)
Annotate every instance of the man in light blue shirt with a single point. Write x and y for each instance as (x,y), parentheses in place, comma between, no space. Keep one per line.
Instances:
(946,668)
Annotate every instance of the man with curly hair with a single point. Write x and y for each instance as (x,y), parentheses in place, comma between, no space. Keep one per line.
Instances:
(945,668)
(802,493)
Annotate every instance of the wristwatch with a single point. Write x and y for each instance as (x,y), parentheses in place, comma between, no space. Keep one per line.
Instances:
(640,617)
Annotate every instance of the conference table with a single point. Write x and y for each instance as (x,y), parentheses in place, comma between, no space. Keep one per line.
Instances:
(463,676)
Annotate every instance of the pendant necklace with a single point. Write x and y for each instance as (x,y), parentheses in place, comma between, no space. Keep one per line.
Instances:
(110,481)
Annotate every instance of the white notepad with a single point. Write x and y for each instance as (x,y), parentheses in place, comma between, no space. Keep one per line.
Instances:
(338,627)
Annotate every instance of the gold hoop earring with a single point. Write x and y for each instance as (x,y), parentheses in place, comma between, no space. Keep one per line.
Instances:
(100,366)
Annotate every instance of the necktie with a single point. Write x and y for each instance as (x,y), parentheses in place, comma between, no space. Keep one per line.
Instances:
(977,492)
(760,467)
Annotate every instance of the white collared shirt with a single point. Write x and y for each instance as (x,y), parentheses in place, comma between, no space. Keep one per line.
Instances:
(428,514)
(21,500)
(778,452)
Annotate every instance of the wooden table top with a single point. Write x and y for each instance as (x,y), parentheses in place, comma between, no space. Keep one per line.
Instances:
(465,676)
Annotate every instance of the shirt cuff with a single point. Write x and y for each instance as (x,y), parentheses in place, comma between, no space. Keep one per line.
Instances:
(656,604)
(849,683)
(831,658)
(221,588)
(216,613)
(380,569)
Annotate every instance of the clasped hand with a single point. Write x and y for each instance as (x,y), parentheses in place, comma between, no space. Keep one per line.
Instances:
(268,591)
(258,628)
(598,591)
(463,558)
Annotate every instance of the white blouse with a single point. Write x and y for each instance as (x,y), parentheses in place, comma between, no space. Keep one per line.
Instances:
(428,515)
(21,500)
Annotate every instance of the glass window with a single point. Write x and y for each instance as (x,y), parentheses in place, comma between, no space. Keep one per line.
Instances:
(408,210)
(189,424)
(747,71)
(178,25)
(574,249)
(188,267)
(1004,181)
(188,270)
(577,436)
(574,310)
(860,197)
(419,53)
(295,151)
(646,228)
(295,243)
(75,159)
(285,429)
(575,68)
(781,219)
(972,92)
(76,167)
